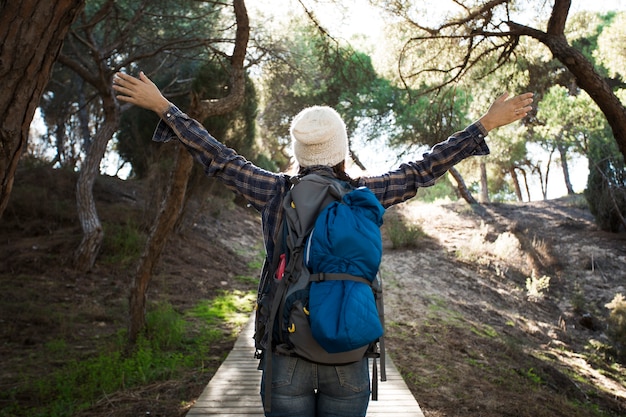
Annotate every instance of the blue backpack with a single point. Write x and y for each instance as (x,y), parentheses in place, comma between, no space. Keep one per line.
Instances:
(321,296)
(343,254)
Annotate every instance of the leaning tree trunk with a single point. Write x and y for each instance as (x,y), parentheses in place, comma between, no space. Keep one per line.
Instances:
(172,205)
(169,212)
(526,185)
(518,190)
(463,190)
(31,36)
(565,168)
(93,234)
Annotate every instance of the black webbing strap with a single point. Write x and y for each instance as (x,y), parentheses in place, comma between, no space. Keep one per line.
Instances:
(278,297)
(374,380)
(326,276)
(267,371)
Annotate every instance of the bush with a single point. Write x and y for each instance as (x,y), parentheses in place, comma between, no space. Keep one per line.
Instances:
(617,326)
(404,234)
(606,185)
(123,243)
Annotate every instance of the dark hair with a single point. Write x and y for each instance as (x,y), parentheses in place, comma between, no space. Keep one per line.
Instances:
(338,170)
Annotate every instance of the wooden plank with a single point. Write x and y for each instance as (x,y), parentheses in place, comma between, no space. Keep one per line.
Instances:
(234,389)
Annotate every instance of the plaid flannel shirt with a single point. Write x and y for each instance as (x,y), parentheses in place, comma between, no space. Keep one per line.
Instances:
(264,190)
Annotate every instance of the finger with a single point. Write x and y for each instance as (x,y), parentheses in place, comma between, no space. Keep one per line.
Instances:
(522,112)
(143,77)
(126,99)
(122,90)
(525,99)
(502,98)
(119,81)
(124,79)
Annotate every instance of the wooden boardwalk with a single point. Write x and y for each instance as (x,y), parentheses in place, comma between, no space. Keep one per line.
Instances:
(234,389)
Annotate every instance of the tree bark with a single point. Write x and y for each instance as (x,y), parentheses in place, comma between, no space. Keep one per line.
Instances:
(463,190)
(484,186)
(565,168)
(518,190)
(526,185)
(93,234)
(172,205)
(166,219)
(31,36)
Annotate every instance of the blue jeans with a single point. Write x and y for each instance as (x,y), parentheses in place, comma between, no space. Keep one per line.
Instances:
(304,389)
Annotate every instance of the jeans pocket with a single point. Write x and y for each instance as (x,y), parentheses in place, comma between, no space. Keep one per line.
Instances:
(354,376)
(283,368)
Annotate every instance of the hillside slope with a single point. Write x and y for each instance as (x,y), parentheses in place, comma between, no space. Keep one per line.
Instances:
(502,311)
(471,337)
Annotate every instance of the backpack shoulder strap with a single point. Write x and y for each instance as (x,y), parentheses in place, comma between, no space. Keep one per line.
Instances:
(306,199)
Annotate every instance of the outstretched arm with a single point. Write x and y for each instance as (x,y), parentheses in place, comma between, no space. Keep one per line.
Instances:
(506,110)
(140,91)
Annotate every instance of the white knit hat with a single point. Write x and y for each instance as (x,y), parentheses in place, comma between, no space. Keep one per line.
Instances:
(319,137)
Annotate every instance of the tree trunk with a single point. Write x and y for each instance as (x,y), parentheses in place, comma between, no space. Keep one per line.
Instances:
(565,168)
(518,190)
(537,171)
(171,208)
(31,36)
(93,234)
(526,185)
(484,186)
(172,204)
(465,193)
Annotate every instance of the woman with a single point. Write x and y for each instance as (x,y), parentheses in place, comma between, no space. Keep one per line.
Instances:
(319,138)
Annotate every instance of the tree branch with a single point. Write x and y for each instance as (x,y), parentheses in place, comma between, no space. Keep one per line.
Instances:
(558,18)
(210,107)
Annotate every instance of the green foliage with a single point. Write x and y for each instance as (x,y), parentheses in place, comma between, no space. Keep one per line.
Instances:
(233,307)
(606,184)
(568,121)
(123,243)
(427,119)
(484,331)
(579,302)
(210,80)
(610,51)
(169,345)
(404,234)
(584,29)
(617,326)
(165,327)
(313,69)
(236,129)
(127,37)
(134,140)
(535,378)
(442,190)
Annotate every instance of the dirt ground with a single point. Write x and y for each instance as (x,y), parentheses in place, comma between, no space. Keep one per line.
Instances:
(470,337)
(499,311)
